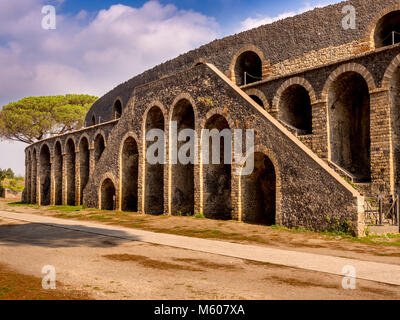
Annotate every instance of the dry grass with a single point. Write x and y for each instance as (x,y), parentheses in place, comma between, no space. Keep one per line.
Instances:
(17,286)
(150,263)
(207,264)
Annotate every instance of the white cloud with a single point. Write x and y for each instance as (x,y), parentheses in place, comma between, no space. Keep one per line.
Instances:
(86,55)
(254,22)
(91,56)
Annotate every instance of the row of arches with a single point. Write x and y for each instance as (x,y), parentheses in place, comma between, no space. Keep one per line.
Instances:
(62,168)
(247,65)
(259,207)
(347,97)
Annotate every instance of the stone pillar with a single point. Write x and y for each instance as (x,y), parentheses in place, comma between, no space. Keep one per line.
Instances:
(91,161)
(52,182)
(27,198)
(320,128)
(38,178)
(381,145)
(197,176)
(64,179)
(77,178)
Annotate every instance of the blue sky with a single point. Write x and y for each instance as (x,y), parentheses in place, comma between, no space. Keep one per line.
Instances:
(99,44)
(228,13)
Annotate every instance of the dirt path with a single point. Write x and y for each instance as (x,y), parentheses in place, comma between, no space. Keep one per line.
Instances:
(115,268)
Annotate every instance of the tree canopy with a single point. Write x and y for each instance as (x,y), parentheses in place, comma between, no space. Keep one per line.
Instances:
(6,174)
(34,118)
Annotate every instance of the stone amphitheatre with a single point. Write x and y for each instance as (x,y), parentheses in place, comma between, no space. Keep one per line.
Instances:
(324,102)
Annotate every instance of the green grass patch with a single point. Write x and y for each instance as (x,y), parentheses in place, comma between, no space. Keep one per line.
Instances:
(66,209)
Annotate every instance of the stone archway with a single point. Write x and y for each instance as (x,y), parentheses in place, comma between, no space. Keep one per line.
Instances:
(84,165)
(129,175)
(259,192)
(248,68)
(107,195)
(154,172)
(58,174)
(349,123)
(70,171)
(295,108)
(45,175)
(387,30)
(34,177)
(182,174)
(99,146)
(217,176)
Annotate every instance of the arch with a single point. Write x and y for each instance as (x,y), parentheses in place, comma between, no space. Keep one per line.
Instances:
(58,172)
(83,136)
(349,67)
(182,174)
(154,170)
(250,60)
(198,62)
(34,176)
(390,71)
(107,195)
(217,170)
(99,144)
(293,101)
(84,164)
(117,108)
(45,174)
(93,123)
(28,173)
(259,192)
(129,173)
(258,97)
(70,159)
(376,29)
(349,124)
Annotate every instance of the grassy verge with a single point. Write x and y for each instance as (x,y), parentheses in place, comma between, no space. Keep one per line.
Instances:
(193,229)
(17,286)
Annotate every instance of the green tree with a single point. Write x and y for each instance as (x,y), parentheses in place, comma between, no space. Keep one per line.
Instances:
(6,174)
(34,118)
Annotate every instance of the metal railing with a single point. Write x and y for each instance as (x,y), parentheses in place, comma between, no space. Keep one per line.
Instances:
(393,34)
(382,210)
(246,74)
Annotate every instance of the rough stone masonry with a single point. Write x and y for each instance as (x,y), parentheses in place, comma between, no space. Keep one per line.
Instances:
(323,101)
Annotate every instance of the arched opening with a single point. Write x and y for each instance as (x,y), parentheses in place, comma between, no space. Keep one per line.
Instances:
(107,195)
(117,109)
(45,175)
(93,120)
(58,169)
(387,30)
(28,174)
(182,177)
(295,109)
(217,173)
(259,192)
(257,100)
(70,170)
(99,146)
(349,122)
(130,174)
(34,177)
(248,68)
(395,124)
(83,165)
(154,175)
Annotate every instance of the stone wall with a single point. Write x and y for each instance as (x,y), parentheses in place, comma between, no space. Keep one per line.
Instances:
(289,45)
(304,184)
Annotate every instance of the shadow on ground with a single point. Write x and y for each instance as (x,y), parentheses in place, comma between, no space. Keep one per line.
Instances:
(59,236)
